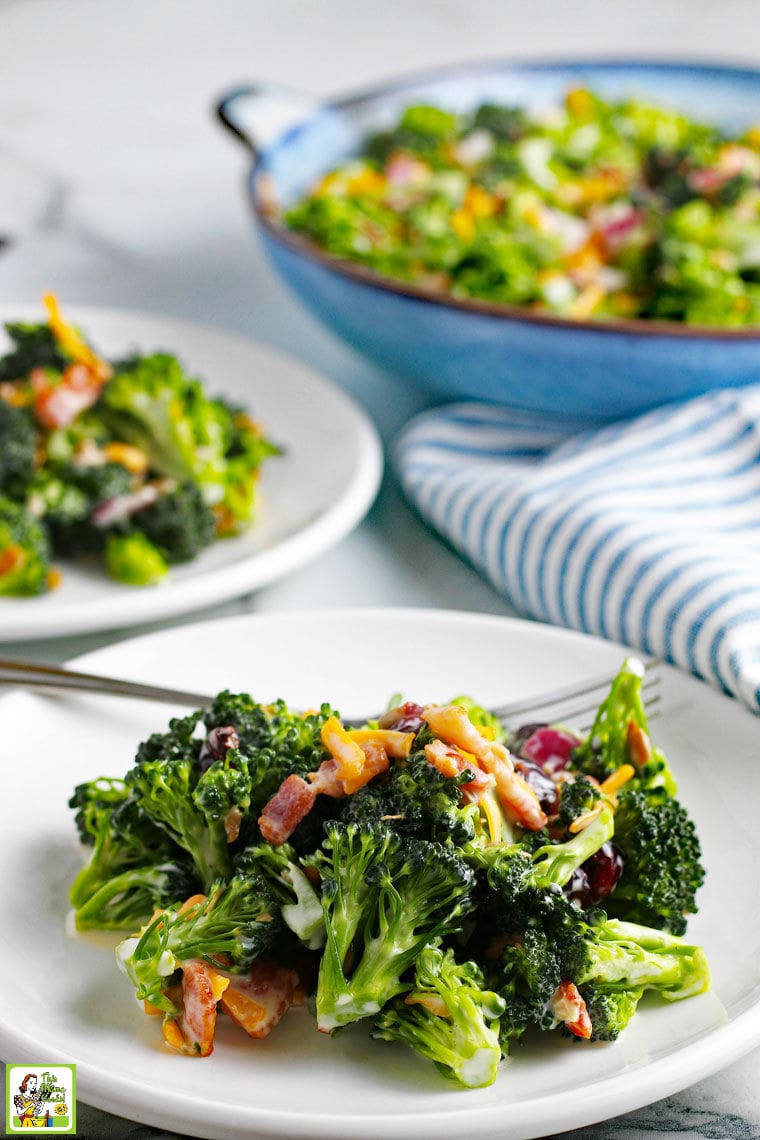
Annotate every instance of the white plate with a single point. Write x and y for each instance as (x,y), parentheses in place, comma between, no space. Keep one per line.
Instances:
(309,498)
(63,998)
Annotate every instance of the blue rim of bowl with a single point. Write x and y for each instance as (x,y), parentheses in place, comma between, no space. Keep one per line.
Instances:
(265,208)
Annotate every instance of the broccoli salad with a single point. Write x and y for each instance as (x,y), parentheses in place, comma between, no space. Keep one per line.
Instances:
(128,461)
(449,886)
(590,209)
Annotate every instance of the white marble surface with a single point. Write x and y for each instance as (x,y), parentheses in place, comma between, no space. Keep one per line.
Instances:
(117,187)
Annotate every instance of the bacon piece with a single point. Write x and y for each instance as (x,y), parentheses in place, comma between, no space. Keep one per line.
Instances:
(58,405)
(292,801)
(567,1005)
(192,1031)
(257,1000)
(452,724)
(450,762)
(325,781)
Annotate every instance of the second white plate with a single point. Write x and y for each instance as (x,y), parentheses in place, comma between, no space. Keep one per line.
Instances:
(310,497)
(64,999)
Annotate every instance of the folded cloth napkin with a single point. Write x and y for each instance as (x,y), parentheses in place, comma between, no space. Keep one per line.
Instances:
(645,532)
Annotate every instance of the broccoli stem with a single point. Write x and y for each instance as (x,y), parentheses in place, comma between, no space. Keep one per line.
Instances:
(556,862)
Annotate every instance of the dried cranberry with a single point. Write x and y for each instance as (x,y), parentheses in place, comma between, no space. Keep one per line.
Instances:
(405,718)
(594,881)
(550,747)
(542,785)
(578,888)
(216,745)
(604,869)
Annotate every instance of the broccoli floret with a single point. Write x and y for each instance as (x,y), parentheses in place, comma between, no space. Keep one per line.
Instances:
(24,552)
(448,1016)
(609,1010)
(152,403)
(178,524)
(18,445)
(129,899)
(250,720)
(180,742)
(300,907)
(576,797)
(548,940)
(134,867)
(229,929)
(620,718)
(247,450)
(65,495)
(415,799)
(627,956)
(134,560)
(389,896)
(661,863)
(505,123)
(555,862)
(195,808)
(511,868)
(34,346)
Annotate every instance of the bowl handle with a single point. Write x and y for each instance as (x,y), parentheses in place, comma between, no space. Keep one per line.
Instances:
(258,113)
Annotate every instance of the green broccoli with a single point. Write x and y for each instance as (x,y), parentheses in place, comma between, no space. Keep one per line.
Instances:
(300,907)
(416,800)
(661,863)
(448,1016)
(134,867)
(609,1010)
(34,346)
(620,735)
(196,809)
(18,446)
(134,560)
(384,897)
(64,496)
(576,797)
(152,403)
(24,552)
(229,928)
(548,940)
(179,524)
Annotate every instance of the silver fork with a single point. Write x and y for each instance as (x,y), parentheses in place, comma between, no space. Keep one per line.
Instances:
(574,704)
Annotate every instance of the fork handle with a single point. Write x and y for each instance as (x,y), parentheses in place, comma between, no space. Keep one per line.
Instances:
(51,677)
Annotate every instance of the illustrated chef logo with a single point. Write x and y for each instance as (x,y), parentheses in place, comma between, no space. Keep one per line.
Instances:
(40,1097)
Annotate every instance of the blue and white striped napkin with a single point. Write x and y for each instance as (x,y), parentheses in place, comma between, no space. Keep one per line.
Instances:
(645,532)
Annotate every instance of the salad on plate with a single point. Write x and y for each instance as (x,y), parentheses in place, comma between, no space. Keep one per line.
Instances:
(449,886)
(586,209)
(129,462)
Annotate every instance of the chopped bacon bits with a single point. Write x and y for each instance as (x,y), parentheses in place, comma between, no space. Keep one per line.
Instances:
(193,1030)
(57,405)
(292,801)
(567,1005)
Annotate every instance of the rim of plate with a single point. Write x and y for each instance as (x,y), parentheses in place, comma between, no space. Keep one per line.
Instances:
(245,574)
(611,1095)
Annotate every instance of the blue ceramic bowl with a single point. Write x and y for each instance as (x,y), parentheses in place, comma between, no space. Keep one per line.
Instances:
(587,370)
